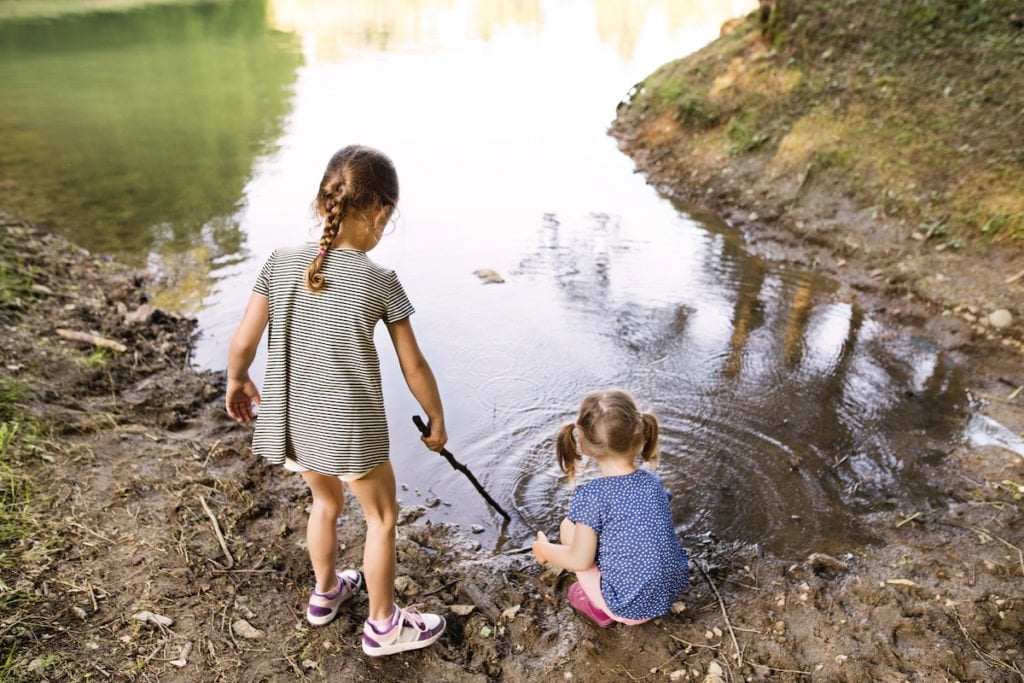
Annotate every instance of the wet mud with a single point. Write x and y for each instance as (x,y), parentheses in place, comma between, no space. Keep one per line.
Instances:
(163,550)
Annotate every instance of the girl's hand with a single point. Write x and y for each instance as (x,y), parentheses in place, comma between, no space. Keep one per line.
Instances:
(239,399)
(537,547)
(438,436)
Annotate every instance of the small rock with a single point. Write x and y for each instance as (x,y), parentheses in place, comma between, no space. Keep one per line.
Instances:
(679,675)
(825,564)
(462,610)
(753,216)
(79,612)
(841,659)
(408,515)
(489,276)
(146,616)
(1000,319)
(678,607)
(309,664)
(243,629)
(476,529)
(406,586)
(183,654)
(715,673)
(510,613)
(140,315)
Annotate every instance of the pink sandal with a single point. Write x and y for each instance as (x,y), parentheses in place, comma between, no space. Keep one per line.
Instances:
(582,604)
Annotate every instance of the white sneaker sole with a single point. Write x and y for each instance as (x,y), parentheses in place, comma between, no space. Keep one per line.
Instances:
(385,650)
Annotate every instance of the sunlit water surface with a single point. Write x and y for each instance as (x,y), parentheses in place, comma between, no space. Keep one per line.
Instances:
(193,137)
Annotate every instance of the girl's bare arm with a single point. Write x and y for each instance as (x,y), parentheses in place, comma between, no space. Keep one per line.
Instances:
(421,381)
(576,557)
(241,391)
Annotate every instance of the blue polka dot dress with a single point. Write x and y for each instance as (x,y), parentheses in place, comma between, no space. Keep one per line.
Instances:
(643,566)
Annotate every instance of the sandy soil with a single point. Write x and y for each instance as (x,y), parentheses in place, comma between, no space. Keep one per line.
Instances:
(162,550)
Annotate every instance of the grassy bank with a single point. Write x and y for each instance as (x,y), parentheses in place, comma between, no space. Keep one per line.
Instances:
(911,110)
(27,541)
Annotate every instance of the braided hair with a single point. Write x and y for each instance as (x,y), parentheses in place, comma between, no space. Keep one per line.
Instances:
(359,180)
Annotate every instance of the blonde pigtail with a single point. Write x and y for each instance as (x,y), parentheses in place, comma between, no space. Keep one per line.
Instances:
(565,447)
(650,431)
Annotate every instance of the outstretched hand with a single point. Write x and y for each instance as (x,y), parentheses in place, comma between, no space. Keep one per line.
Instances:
(538,546)
(239,399)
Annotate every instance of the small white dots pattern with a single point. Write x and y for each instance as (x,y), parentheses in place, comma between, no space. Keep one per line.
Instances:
(643,566)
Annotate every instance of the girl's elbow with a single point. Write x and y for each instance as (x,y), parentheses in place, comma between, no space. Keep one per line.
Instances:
(579,564)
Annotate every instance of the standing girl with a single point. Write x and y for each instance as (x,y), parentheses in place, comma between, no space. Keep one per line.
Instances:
(322,409)
(618,537)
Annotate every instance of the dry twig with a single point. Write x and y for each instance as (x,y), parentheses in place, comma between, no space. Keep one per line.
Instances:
(991,659)
(725,614)
(101,342)
(220,536)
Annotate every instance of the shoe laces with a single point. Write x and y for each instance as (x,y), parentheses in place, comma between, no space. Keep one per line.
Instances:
(412,616)
(348,583)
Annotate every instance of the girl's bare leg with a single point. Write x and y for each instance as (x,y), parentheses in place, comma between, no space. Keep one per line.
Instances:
(376,494)
(322,527)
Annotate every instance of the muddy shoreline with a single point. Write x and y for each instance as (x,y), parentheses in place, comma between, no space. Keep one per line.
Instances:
(160,549)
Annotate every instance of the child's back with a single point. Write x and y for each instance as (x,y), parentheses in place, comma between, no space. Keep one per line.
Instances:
(618,537)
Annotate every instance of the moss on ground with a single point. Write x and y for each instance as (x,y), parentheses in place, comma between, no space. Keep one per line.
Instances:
(916,108)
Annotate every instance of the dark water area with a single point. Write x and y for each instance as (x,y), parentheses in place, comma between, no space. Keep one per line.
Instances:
(190,138)
(786,413)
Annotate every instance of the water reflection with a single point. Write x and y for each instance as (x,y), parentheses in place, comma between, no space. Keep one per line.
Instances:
(336,29)
(136,132)
(784,411)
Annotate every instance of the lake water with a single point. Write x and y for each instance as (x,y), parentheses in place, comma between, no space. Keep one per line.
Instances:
(191,137)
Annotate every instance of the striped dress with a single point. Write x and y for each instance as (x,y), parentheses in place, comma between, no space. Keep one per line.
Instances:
(322,403)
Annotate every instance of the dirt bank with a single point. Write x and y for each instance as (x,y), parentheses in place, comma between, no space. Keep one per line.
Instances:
(856,140)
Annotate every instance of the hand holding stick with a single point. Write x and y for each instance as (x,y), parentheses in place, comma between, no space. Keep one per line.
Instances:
(425,430)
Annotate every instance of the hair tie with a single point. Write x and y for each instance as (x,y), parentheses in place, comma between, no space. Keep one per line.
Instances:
(321,252)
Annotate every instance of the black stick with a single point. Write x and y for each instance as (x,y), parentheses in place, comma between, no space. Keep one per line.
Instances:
(425,430)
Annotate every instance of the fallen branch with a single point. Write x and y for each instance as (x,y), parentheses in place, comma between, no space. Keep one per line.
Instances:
(220,536)
(102,342)
(482,602)
(725,615)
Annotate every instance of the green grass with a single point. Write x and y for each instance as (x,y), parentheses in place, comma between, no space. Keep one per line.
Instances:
(15,288)
(26,539)
(923,99)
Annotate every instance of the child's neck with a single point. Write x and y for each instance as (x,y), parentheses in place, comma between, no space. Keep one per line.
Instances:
(616,465)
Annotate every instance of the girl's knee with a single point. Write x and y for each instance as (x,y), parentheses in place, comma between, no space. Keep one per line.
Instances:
(329,505)
(384,518)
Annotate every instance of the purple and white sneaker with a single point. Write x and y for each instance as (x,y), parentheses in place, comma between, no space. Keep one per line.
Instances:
(323,607)
(408,629)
